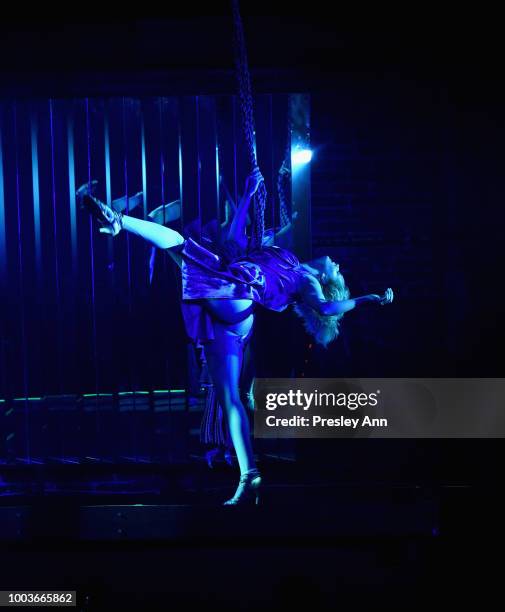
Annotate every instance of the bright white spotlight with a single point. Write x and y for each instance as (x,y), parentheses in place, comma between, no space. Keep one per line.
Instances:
(301,156)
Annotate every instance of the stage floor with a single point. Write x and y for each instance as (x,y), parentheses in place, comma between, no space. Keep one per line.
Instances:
(154,537)
(155,502)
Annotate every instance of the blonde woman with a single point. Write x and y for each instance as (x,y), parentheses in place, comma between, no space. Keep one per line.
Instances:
(220,294)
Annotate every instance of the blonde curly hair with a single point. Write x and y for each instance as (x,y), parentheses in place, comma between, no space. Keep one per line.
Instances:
(324,329)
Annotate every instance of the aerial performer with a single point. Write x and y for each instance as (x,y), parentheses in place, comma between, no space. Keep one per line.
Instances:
(221,291)
(225,281)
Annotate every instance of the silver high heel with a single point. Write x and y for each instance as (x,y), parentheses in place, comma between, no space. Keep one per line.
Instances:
(110,220)
(88,188)
(247,490)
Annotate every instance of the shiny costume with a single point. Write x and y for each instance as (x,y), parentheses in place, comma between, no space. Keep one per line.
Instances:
(269,277)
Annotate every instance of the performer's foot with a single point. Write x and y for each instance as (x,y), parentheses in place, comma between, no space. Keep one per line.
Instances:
(110,220)
(247,490)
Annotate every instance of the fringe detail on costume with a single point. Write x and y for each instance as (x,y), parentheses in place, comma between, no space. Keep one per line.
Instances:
(214,427)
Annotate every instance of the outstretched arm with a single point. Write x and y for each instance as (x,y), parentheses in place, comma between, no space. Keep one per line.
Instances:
(314,297)
(237,228)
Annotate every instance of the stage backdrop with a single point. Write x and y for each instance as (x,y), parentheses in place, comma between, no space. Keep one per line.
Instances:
(83,312)
(86,318)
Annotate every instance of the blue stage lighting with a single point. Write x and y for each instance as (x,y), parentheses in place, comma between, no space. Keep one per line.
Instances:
(301,156)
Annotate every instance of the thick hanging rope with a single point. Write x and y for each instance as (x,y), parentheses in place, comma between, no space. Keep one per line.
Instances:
(247,115)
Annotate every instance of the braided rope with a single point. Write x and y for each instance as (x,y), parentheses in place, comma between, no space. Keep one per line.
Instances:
(247,115)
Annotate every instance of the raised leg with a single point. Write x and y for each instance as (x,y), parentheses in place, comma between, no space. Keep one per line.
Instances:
(158,235)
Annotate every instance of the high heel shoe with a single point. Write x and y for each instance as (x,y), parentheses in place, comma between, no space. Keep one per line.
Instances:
(110,220)
(88,188)
(247,490)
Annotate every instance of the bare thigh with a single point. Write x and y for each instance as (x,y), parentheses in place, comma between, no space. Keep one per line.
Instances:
(236,316)
(225,353)
(225,356)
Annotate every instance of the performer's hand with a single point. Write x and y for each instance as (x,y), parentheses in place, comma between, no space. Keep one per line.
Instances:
(253,181)
(387,298)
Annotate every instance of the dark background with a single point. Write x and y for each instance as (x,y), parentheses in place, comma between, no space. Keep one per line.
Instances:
(407,128)
(407,189)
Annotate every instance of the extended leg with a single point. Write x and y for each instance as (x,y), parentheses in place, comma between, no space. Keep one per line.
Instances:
(158,235)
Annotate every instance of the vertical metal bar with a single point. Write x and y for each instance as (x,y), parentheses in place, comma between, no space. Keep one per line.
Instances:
(130,292)
(273,182)
(108,186)
(144,166)
(125,179)
(162,103)
(181,193)
(4,376)
(92,256)
(24,353)
(106,128)
(36,194)
(235,178)
(198,165)
(162,158)
(154,255)
(56,250)
(71,190)
(218,193)
(72,318)
(3,243)
(53,194)
(300,174)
